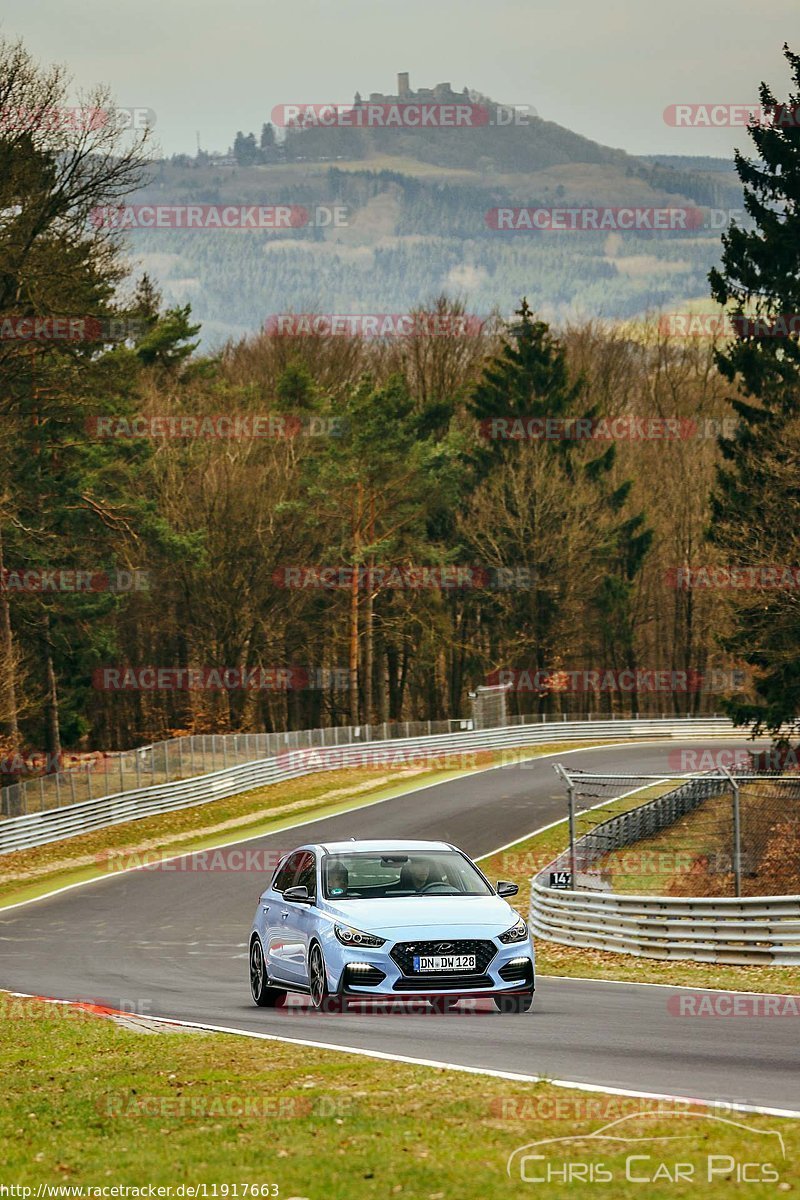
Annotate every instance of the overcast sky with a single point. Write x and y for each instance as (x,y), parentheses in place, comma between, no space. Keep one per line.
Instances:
(607,70)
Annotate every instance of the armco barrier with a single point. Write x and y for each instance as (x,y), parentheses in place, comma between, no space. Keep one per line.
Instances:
(35,829)
(745,930)
(757,929)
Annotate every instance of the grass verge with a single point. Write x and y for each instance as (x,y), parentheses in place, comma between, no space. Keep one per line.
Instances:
(91,1104)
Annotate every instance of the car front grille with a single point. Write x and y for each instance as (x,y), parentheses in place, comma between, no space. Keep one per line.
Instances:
(452,982)
(403,956)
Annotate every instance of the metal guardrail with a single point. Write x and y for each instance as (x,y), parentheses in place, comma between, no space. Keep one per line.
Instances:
(735,931)
(51,825)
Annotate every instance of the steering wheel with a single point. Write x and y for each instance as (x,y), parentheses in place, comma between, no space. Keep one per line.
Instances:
(436,883)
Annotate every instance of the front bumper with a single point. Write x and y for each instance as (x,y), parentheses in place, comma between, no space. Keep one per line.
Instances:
(355,971)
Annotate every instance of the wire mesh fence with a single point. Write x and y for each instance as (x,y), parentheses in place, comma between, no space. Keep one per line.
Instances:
(715,835)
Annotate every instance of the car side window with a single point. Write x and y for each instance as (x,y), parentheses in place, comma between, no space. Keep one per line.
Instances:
(285,875)
(307,873)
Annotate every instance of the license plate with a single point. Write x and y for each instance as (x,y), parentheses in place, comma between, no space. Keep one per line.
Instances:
(444,962)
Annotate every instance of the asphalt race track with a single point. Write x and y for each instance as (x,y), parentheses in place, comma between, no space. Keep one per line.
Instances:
(172,943)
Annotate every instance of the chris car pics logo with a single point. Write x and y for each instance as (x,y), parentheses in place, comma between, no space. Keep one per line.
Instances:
(655,1148)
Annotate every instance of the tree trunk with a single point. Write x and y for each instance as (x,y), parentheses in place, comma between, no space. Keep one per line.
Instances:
(369,603)
(7,683)
(354,718)
(52,728)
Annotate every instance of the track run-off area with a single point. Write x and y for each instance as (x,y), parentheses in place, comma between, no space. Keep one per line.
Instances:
(172,943)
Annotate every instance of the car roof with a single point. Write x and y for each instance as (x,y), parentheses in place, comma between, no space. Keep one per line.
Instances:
(384,845)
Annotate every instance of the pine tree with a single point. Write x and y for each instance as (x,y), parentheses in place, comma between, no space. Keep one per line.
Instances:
(530,378)
(756,499)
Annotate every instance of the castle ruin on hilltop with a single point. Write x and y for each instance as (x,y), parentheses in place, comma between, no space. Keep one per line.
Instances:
(442,92)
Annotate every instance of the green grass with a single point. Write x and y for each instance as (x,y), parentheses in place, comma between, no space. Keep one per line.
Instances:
(89,1103)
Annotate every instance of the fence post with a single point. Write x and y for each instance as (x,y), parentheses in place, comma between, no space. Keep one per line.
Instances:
(737,835)
(571,814)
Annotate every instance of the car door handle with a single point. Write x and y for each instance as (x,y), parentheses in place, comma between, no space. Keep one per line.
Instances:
(285,913)
(265,908)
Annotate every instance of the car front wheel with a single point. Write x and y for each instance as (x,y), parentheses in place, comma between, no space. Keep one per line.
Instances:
(519,1003)
(263,994)
(321,999)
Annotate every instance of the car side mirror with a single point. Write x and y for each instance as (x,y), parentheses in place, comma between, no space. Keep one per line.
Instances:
(298,894)
(504,888)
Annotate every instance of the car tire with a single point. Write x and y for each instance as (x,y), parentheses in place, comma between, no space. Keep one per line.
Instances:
(264,995)
(520,1002)
(443,1004)
(322,1000)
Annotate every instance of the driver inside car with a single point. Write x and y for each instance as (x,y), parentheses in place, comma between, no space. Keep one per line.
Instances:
(416,875)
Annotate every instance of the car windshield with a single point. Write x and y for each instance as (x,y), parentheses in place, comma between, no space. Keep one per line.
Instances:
(382,875)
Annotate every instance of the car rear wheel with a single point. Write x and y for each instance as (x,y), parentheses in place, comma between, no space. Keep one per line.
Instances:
(519,1003)
(263,994)
(321,999)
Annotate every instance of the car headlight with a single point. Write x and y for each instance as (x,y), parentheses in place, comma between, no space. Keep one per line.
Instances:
(356,937)
(517,933)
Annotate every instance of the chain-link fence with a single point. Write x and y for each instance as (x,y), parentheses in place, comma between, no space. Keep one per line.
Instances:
(716,834)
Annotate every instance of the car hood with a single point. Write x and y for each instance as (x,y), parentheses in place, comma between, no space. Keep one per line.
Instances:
(454,914)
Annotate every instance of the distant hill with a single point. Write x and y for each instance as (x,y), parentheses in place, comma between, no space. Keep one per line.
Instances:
(416,206)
